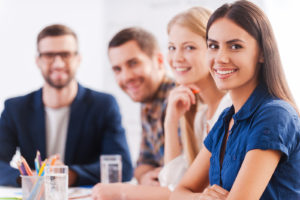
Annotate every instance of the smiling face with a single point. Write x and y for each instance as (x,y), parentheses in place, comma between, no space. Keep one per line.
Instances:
(233,56)
(187,55)
(137,74)
(58,60)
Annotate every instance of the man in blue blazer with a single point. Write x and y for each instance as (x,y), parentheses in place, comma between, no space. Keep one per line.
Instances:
(62,117)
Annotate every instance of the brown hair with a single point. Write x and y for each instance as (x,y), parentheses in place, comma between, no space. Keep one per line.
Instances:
(195,19)
(145,40)
(252,19)
(56,30)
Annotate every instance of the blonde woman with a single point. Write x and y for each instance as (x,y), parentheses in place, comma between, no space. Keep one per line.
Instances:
(253,150)
(187,50)
(196,103)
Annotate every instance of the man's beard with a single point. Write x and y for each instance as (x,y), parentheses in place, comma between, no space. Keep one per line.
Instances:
(60,85)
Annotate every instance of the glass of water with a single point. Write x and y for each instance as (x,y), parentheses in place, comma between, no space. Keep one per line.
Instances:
(56,182)
(111,168)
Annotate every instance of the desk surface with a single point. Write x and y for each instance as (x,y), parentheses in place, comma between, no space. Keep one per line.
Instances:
(16,193)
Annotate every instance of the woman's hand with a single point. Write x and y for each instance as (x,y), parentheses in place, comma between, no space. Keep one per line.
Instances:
(214,192)
(180,100)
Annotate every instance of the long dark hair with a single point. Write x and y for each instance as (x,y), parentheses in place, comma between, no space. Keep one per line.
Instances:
(253,20)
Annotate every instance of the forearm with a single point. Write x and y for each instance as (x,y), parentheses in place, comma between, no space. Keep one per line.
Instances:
(141,170)
(141,192)
(182,193)
(172,144)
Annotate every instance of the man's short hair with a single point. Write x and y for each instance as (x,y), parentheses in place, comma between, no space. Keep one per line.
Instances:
(55,30)
(145,40)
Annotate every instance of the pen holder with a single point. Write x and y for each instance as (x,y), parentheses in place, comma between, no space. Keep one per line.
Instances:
(33,187)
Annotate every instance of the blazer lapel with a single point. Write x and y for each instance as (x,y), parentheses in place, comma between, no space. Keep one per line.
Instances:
(77,115)
(38,132)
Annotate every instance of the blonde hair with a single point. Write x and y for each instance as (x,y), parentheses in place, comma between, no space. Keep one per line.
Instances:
(195,19)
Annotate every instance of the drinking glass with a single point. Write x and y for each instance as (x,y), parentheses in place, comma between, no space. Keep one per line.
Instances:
(56,182)
(111,168)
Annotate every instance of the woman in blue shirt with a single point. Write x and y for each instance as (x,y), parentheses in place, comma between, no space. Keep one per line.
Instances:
(253,151)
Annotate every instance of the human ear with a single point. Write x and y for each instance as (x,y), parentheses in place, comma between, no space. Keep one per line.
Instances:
(38,61)
(261,58)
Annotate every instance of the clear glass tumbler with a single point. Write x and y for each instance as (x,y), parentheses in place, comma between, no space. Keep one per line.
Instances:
(111,168)
(56,182)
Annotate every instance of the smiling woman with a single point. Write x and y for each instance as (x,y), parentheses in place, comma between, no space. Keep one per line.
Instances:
(234,57)
(17,49)
(253,150)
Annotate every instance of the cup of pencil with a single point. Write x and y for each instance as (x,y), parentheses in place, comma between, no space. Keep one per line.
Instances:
(33,183)
(33,187)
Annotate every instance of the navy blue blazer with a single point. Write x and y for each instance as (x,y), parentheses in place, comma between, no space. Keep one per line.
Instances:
(94,128)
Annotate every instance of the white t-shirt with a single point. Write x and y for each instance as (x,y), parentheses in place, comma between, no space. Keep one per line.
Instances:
(57,121)
(171,173)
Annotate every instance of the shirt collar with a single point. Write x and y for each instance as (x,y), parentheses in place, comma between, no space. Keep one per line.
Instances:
(254,101)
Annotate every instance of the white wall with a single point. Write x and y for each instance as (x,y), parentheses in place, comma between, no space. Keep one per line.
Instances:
(96,21)
(21,21)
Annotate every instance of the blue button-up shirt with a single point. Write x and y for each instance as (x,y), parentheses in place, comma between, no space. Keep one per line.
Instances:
(264,122)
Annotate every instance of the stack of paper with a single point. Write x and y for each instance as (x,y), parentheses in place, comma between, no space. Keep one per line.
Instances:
(10,193)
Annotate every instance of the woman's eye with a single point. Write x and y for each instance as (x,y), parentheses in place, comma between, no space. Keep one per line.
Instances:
(190,48)
(236,46)
(212,46)
(171,48)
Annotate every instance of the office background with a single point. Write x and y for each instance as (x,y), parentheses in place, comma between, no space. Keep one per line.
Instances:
(95,22)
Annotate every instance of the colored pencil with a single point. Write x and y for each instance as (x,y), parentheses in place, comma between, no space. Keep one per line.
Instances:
(53,160)
(36,164)
(39,157)
(21,168)
(27,168)
(42,168)
(195,91)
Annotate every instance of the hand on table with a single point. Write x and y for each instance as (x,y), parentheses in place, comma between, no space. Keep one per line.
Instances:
(214,192)
(103,191)
(151,177)
(72,174)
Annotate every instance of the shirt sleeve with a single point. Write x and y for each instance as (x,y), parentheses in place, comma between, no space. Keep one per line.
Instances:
(171,173)
(147,154)
(274,128)
(208,141)
(8,144)
(152,142)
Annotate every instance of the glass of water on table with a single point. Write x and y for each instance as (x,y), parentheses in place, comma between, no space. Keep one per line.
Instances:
(111,168)
(56,182)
